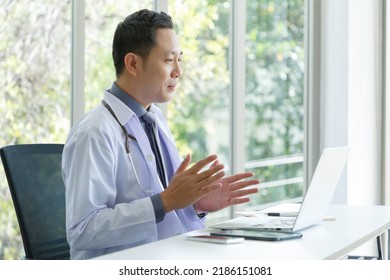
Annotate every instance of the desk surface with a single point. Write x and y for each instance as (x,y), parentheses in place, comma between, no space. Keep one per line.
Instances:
(354,225)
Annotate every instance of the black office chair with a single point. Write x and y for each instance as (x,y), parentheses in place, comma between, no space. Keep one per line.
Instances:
(34,177)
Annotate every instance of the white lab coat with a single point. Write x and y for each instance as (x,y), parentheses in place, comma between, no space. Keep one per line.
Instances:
(106,209)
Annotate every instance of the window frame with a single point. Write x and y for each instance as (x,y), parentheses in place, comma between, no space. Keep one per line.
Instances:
(78,61)
(386,103)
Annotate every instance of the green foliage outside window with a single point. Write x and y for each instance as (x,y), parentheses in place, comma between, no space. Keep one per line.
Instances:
(275,86)
(35,86)
(274,82)
(203,92)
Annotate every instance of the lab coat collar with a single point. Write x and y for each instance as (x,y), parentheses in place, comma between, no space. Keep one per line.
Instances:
(122,111)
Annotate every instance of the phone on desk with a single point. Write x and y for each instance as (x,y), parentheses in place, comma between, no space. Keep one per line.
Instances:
(216,239)
(258,235)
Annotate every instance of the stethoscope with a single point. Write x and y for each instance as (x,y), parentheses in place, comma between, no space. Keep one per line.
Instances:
(127,145)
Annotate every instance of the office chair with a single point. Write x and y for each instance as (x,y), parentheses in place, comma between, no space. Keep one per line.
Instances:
(34,177)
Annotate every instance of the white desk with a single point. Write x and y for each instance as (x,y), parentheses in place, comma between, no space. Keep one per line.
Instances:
(354,225)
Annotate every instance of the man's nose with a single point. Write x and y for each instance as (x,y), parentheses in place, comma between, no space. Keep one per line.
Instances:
(176,73)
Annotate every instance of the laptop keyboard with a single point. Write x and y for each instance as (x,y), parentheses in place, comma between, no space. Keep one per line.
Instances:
(279,222)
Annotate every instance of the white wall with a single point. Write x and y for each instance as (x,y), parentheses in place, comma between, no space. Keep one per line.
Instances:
(386,102)
(364,102)
(334,82)
(351,96)
(364,106)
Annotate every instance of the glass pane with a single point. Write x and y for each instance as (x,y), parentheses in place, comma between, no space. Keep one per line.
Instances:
(35,83)
(274,96)
(101,19)
(199,113)
(202,27)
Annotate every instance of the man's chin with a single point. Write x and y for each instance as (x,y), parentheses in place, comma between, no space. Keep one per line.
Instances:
(167,98)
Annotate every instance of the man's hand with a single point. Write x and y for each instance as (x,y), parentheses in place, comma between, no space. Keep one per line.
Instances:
(189,185)
(230,193)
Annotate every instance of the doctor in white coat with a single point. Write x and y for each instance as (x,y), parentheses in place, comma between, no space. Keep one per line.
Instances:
(115,198)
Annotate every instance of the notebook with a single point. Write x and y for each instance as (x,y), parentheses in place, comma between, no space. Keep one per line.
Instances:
(314,205)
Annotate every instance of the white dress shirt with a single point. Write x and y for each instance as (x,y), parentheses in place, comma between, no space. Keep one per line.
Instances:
(106,208)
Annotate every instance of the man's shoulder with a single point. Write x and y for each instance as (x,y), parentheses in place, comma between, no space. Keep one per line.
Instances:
(95,123)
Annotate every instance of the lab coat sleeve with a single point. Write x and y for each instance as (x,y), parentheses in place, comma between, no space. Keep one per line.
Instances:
(95,218)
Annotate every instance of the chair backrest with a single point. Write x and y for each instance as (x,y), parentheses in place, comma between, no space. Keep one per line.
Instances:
(34,177)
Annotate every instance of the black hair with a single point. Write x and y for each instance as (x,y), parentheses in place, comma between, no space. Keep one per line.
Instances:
(137,34)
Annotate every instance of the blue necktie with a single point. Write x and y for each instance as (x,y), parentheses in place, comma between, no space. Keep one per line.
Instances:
(149,121)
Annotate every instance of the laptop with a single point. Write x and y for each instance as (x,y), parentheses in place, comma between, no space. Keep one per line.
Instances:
(314,205)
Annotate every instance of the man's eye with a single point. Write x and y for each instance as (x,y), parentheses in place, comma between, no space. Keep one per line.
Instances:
(169,60)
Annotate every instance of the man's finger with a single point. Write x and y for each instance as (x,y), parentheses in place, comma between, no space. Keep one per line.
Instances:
(202,163)
(183,166)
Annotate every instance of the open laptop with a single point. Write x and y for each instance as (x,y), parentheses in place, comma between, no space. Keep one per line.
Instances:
(314,205)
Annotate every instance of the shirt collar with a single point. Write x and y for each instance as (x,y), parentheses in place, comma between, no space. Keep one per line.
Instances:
(127,99)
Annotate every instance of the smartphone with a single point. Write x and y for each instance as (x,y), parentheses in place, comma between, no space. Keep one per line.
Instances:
(258,235)
(216,239)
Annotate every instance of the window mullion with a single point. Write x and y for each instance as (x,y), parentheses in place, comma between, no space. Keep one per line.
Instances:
(312,96)
(77,64)
(238,87)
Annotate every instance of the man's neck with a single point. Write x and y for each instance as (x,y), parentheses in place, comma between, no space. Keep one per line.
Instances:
(127,87)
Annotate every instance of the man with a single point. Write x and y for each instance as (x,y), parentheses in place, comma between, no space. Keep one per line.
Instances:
(125,182)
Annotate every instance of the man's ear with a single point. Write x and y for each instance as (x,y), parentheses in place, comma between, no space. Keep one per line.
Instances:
(132,61)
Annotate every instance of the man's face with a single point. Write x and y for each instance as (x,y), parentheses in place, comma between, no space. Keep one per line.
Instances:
(160,72)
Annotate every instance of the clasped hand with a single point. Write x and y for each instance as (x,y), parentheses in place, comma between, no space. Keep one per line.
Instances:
(208,190)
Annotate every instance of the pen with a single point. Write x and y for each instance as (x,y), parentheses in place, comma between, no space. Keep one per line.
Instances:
(282,214)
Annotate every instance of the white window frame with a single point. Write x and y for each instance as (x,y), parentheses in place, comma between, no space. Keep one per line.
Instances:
(386,117)
(77,63)
(386,104)
(312,115)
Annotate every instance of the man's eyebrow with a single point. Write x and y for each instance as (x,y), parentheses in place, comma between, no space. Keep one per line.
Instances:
(175,53)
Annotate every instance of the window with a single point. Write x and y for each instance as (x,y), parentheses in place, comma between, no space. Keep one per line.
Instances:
(199,113)
(101,19)
(35,79)
(274,88)
(274,97)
